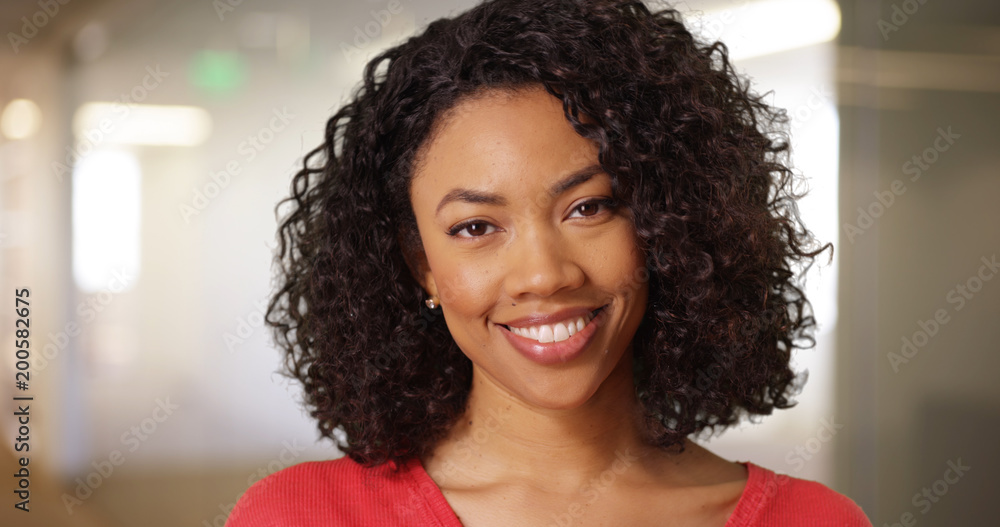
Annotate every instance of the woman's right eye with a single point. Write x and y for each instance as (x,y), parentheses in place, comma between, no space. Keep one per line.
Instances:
(473,229)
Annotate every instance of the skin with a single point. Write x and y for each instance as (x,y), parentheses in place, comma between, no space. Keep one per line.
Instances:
(539,444)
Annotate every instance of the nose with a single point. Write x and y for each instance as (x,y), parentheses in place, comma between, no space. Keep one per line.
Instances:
(541,263)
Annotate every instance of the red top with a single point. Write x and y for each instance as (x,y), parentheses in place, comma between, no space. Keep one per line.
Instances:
(342,492)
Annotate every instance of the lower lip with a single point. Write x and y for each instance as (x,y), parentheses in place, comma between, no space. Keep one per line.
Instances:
(555,352)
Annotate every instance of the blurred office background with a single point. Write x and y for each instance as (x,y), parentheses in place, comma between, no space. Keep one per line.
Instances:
(144,145)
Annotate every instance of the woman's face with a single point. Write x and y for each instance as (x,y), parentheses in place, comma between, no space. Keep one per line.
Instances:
(523,246)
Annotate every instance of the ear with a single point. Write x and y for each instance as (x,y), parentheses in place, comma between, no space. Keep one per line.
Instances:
(416,260)
(424,275)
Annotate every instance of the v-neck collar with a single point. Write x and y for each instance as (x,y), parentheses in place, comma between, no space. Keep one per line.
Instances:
(749,505)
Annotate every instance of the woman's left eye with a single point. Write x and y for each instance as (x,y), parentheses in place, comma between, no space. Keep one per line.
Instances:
(472,229)
(594,206)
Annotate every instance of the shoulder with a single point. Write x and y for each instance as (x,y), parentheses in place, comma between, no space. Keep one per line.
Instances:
(785,501)
(318,493)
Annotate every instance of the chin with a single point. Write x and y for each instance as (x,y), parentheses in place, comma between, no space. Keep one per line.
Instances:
(562,390)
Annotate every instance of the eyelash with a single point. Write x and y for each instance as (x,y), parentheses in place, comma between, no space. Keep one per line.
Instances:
(607,203)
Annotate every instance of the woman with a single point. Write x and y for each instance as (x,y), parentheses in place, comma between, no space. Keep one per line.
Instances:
(547,242)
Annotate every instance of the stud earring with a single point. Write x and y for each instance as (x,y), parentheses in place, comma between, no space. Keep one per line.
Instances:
(431,304)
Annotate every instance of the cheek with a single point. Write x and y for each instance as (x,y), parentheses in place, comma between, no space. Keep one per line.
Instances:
(465,288)
(638,278)
(623,266)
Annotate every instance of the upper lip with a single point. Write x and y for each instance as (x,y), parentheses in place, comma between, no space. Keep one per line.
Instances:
(538,319)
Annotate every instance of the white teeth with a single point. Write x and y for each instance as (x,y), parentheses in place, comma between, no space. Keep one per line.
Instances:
(557,332)
(560,332)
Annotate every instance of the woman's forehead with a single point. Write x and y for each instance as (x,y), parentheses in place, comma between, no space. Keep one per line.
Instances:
(524,135)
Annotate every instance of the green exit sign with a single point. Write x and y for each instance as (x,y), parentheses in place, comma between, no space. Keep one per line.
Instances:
(217,72)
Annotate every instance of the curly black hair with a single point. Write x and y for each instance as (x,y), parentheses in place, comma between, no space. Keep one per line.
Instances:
(700,160)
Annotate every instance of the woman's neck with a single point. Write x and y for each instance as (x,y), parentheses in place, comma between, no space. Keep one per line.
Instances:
(501,439)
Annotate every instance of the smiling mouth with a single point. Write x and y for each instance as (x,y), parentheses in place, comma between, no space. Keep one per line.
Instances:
(558,332)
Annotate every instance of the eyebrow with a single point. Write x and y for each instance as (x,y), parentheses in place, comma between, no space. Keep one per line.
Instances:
(578,177)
